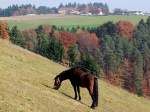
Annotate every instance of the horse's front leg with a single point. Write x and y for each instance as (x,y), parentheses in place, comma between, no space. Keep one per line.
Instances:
(78,89)
(75,91)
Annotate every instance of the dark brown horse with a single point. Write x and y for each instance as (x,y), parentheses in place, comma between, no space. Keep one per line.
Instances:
(79,77)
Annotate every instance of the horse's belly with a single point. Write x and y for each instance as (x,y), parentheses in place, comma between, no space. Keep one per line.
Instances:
(83,84)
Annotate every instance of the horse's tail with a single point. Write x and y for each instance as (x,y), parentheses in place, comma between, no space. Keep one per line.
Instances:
(96,90)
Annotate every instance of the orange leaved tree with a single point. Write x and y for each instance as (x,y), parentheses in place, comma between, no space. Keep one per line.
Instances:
(4,30)
(125,29)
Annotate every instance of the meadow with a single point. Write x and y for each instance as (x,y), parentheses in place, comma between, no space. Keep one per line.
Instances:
(26,82)
(26,22)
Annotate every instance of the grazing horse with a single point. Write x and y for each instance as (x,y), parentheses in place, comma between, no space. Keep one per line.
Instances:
(79,77)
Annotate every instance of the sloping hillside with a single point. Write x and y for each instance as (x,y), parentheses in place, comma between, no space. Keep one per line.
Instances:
(26,82)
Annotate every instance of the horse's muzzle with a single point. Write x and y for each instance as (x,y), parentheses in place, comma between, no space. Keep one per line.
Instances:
(55,87)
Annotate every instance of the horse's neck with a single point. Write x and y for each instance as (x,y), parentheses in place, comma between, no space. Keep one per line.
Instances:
(63,77)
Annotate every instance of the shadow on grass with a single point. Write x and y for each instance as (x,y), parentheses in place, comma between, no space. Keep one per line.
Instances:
(47,86)
(73,98)
(65,94)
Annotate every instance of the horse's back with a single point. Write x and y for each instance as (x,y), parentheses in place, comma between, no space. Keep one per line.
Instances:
(82,77)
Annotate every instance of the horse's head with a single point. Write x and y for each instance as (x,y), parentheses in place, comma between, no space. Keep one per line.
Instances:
(58,79)
(57,82)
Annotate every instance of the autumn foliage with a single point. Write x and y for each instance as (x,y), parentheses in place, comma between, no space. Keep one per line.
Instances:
(30,38)
(123,61)
(87,40)
(125,29)
(3,30)
(66,38)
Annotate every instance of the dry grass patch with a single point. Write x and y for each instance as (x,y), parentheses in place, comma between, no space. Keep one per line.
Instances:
(26,82)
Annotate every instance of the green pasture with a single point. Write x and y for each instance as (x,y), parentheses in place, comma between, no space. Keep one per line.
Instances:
(70,21)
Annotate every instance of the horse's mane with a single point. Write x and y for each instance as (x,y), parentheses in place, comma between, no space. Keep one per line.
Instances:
(85,70)
(78,67)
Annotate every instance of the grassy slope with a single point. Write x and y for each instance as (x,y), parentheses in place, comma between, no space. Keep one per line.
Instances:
(26,82)
(68,21)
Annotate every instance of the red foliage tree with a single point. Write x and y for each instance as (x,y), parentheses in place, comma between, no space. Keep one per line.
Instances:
(125,29)
(87,41)
(3,30)
(66,38)
(146,86)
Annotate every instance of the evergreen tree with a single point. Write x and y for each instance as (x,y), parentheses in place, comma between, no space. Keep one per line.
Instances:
(148,22)
(119,48)
(55,50)
(142,26)
(110,59)
(72,54)
(16,37)
(127,48)
(110,63)
(138,71)
(88,62)
(73,29)
(146,57)
(108,28)
(43,46)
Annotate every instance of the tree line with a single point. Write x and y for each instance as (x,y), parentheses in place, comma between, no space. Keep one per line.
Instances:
(16,10)
(80,7)
(118,52)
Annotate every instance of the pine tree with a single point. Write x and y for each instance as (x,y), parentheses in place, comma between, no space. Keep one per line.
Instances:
(16,37)
(138,71)
(110,63)
(148,22)
(108,28)
(109,56)
(72,54)
(55,50)
(43,46)
(88,62)
(142,26)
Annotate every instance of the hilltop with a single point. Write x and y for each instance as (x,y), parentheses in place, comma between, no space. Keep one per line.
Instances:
(26,82)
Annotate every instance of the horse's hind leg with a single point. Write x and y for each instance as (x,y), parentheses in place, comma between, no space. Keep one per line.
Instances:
(93,98)
(78,89)
(93,103)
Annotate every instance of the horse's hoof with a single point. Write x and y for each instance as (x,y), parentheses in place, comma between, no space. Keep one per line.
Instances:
(92,106)
(75,98)
(79,99)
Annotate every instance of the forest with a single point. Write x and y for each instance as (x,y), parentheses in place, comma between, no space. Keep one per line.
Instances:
(118,52)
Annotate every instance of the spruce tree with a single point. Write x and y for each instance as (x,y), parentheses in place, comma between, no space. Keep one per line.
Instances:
(88,62)
(72,54)
(55,50)
(16,37)
(138,71)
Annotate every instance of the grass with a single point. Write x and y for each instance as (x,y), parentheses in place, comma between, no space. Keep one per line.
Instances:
(25,22)
(26,82)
